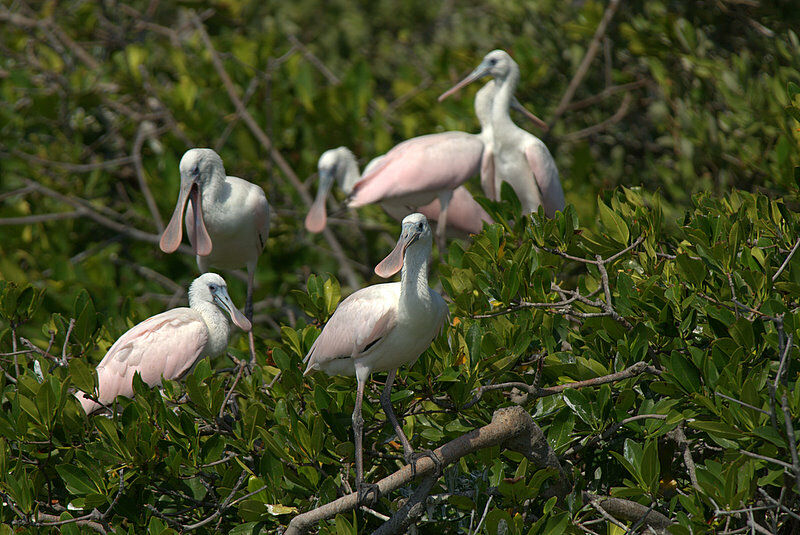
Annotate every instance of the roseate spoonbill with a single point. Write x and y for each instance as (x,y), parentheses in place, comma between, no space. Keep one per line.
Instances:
(519,157)
(465,216)
(381,327)
(168,344)
(227,220)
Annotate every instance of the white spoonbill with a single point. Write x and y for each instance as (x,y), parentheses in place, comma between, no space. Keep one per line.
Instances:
(465,216)
(227,220)
(168,344)
(381,327)
(520,158)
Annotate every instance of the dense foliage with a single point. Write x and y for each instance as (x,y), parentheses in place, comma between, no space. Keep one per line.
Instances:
(667,291)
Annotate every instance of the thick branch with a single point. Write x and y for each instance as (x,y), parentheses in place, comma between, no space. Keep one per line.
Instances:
(511,427)
(630,511)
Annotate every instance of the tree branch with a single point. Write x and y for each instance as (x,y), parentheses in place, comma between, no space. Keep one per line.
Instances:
(583,68)
(532,390)
(511,427)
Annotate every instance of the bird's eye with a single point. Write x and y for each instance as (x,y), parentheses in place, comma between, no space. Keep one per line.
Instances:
(419,226)
(493,61)
(213,287)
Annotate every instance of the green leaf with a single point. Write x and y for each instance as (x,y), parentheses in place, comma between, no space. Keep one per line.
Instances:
(615,226)
(76,479)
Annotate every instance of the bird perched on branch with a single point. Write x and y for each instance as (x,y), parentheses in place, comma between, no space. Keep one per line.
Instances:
(169,344)
(382,327)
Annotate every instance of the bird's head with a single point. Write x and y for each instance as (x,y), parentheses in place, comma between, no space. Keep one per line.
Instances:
(331,166)
(415,235)
(211,288)
(497,64)
(198,168)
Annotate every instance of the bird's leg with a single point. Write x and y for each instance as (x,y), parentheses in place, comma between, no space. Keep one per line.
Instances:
(248,312)
(386,403)
(362,488)
(410,455)
(441,225)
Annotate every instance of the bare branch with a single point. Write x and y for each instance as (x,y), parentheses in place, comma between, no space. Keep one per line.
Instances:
(786,260)
(583,68)
(621,112)
(632,371)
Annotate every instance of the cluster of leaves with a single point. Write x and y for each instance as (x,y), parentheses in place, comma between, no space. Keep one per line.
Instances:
(712,308)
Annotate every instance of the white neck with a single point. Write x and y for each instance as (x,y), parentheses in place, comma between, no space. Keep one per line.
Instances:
(350,176)
(219,328)
(414,277)
(216,185)
(502,98)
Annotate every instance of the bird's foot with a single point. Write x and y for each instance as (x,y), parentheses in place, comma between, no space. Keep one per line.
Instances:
(415,456)
(364,491)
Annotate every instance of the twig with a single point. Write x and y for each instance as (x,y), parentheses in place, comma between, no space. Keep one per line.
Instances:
(89,212)
(680,438)
(787,417)
(66,342)
(632,371)
(605,93)
(768,459)
(39,218)
(786,260)
(595,502)
(621,112)
(410,511)
(222,507)
(742,403)
(778,504)
(629,510)
(583,68)
(138,141)
(314,60)
(241,366)
(483,516)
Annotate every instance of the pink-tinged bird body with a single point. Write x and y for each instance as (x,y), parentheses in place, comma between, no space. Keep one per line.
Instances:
(168,344)
(416,171)
(465,215)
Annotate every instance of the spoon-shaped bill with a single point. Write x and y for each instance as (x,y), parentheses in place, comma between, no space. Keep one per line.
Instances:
(196,228)
(317,216)
(394,261)
(224,301)
(479,72)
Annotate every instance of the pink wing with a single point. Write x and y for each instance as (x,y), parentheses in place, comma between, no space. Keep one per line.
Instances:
(362,319)
(167,345)
(463,213)
(422,164)
(545,174)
